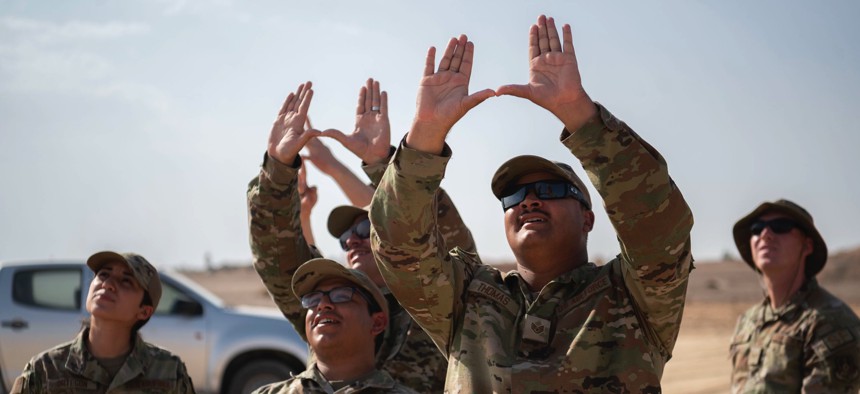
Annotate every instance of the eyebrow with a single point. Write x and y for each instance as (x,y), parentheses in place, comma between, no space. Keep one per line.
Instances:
(126,272)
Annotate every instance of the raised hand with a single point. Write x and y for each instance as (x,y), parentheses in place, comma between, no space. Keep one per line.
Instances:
(288,134)
(443,95)
(320,155)
(372,135)
(307,194)
(554,80)
(308,199)
(359,194)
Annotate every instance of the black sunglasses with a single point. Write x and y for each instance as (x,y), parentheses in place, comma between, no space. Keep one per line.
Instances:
(778,225)
(544,190)
(361,230)
(336,295)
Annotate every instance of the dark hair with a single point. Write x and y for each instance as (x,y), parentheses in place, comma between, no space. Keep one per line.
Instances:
(373,307)
(146,301)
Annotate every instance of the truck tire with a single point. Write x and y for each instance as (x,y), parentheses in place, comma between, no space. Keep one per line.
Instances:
(256,374)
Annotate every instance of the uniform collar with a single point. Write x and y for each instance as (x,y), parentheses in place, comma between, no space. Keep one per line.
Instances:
(580,275)
(378,380)
(81,362)
(794,305)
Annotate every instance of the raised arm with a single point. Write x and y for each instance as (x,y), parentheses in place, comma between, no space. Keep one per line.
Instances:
(406,237)
(358,193)
(443,96)
(308,198)
(650,216)
(554,80)
(371,138)
(276,238)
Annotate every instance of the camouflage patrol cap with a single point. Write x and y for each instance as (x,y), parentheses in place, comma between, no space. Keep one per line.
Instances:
(515,168)
(311,273)
(341,218)
(144,272)
(742,233)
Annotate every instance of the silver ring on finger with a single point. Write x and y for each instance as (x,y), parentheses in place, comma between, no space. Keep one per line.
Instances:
(374,108)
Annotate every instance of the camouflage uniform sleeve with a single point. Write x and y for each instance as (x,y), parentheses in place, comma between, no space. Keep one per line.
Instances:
(276,234)
(832,361)
(451,225)
(650,217)
(183,381)
(375,171)
(410,250)
(29,381)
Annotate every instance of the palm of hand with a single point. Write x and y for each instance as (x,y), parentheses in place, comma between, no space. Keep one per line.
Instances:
(286,137)
(554,80)
(440,97)
(372,136)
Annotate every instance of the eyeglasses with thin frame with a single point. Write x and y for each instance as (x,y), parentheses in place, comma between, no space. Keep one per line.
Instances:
(360,229)
(544,190)
(778,226)
(337,295)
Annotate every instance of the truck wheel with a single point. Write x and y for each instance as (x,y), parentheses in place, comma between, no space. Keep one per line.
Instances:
(258,373)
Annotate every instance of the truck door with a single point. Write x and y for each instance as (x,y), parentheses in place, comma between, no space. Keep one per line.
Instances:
(179,325)
(45,310)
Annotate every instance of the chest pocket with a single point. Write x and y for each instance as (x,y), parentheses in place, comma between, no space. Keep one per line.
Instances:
(491,310)
(740,350)
(781,351)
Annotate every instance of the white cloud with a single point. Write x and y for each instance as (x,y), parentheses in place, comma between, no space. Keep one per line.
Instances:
(50,33)
(136,93)
(176,7)
(42,56)
(344,29)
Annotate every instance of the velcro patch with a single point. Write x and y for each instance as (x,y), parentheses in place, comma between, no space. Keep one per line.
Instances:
(838,338)
(488,290)
(593,288)
(845,368)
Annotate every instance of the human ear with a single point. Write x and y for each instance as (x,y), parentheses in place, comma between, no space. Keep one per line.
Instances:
(145,312)
(587,220)
(380,323)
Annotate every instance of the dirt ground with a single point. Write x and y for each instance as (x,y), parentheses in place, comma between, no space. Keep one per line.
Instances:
(717,294)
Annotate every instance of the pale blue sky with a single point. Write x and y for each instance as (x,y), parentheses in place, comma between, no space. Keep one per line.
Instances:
(136,125)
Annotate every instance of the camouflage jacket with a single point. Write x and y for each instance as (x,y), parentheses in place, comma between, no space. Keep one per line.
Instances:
(71,368)
(607,328)
(312,381)
(279,248)
(449,222)
(809,345)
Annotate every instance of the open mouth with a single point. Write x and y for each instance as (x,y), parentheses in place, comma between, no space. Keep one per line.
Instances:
(356,254)
(533,218)
(325,320)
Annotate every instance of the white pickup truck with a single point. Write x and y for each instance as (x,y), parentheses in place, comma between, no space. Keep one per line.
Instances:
(226,349)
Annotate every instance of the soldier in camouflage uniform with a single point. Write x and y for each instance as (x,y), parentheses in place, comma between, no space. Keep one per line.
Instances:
(558,323)
(345,312)
(279,245)
(109,356)
(800,338)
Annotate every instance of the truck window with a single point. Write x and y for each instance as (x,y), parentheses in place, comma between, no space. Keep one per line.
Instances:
(170,296)
(48,288)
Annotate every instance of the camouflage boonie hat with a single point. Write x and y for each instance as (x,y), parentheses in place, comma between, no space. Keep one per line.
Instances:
(311,273)
(341,218)
(742,233)
(515,168)
(144,272)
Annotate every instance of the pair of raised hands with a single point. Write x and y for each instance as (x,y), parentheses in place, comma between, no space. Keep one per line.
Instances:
(554,84)
(292,130)
(443,98)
